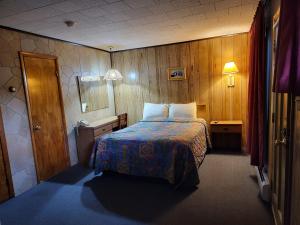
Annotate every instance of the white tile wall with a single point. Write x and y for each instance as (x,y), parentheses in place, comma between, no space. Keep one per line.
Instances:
(72,62)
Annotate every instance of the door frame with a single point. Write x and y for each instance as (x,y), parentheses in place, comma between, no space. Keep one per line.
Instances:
(3,143)
(271,128)
(42,56)
(272,125)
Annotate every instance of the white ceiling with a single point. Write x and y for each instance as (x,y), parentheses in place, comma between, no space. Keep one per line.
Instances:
(127,24)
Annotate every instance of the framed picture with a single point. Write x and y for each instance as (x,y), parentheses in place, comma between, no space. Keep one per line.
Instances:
(176,73)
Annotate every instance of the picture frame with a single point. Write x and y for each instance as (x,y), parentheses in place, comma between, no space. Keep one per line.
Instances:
(176,73)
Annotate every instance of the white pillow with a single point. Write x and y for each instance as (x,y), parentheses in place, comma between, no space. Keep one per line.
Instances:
(155,111)
(187,111)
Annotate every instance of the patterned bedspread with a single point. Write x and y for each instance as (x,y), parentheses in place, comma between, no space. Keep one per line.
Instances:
(172,150)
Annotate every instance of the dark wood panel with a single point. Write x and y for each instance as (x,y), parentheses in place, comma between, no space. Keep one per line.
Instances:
(145,78)
(295,196)
(226,141)
(6,186)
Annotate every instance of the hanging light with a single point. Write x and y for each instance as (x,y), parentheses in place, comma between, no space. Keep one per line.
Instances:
(112,74)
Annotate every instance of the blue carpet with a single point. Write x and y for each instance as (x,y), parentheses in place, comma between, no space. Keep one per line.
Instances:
(227,194)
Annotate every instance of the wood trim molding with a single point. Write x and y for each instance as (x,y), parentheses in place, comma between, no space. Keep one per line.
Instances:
(37,55)
(5,157)
(43,56)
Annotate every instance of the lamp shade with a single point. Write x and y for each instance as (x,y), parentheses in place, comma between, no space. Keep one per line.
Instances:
(230,68)
(113,74)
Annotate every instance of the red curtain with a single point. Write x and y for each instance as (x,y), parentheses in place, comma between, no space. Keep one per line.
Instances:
(287,67)
(256,104)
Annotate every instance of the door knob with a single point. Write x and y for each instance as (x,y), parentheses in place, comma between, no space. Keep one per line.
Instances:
(280,142)
(36,127)
(284,138)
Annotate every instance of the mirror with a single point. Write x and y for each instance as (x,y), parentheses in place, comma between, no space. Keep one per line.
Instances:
(93,93)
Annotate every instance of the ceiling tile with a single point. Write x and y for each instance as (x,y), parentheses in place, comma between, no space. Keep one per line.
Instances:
(34,4)
(11,21)
(111,1)
(138,13)
(118,17)
(185,4)
(40,13)
(227,4)
(205,8)
(116,7)
(93,12)
(162,8)
(89,3)
(67,6)
(129,23)
(139,3)
(179,13)
(5,12)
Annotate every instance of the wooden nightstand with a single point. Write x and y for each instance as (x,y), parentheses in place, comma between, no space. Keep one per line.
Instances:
(226,135)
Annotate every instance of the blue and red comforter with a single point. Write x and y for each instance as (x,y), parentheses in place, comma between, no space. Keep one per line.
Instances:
(172,150)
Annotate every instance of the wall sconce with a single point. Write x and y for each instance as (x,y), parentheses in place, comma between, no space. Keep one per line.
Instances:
(230,68)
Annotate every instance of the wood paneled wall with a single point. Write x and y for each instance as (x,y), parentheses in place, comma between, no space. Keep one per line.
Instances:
(145,78)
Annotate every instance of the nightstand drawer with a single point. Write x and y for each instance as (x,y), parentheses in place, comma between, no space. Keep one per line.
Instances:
(226,128)
(226,134)
(103,130)
(116,124)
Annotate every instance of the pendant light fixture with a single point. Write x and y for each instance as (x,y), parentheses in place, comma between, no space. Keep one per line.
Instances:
(112,74)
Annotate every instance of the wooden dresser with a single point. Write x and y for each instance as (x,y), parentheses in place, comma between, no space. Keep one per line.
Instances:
(226,135)
(87,135)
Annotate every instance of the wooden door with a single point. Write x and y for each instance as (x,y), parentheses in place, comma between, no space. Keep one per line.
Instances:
(273,96)
(278,142)
(6,187)
(46,114)
(280,147)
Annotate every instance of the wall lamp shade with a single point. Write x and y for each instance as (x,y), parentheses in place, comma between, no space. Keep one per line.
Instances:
(113,74)
(230,68)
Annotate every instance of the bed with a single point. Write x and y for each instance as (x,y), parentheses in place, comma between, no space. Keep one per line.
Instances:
(168,149)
